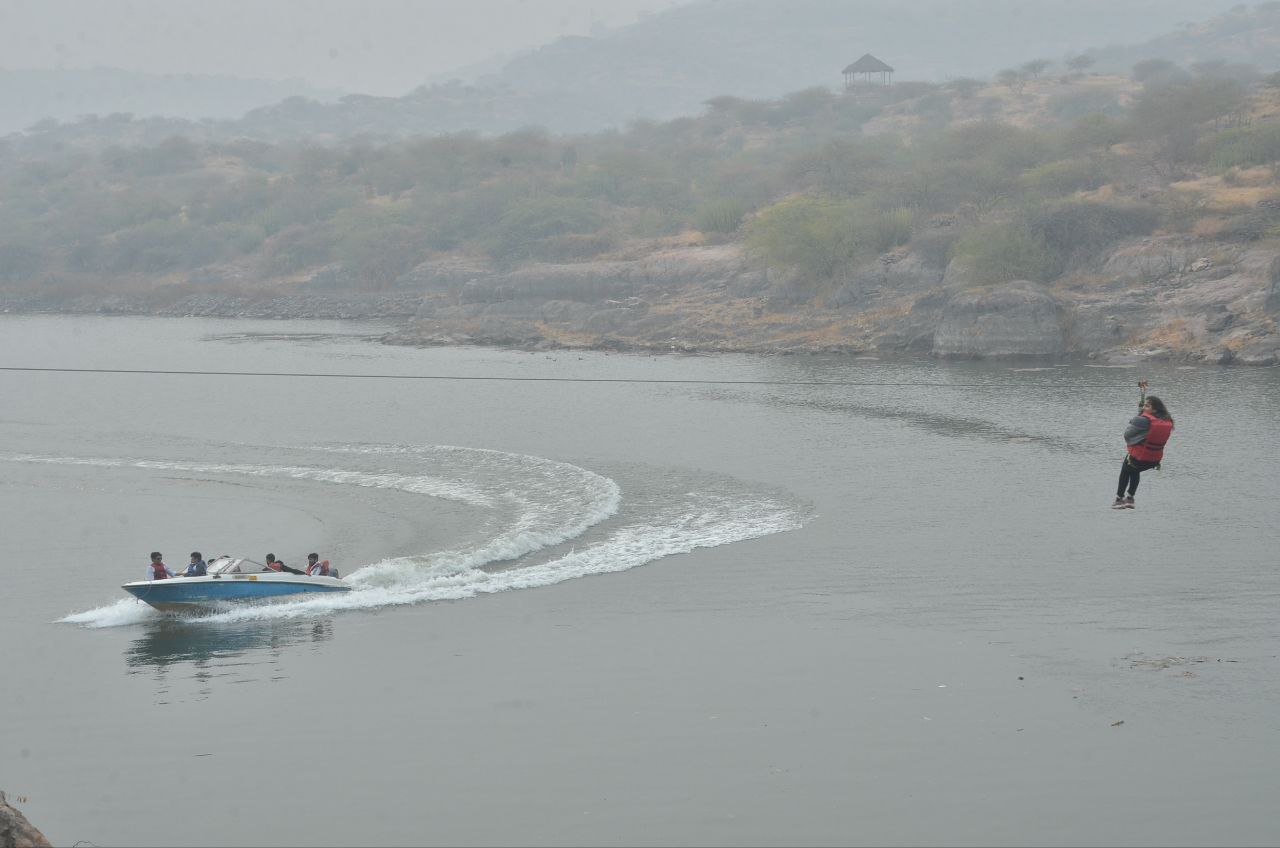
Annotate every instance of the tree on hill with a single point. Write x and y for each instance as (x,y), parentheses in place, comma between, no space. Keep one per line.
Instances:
(1015,79)
(1035,67)
(1079,63)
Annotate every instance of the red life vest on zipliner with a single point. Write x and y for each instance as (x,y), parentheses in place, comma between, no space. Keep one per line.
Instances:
(158,571)
(1151,449)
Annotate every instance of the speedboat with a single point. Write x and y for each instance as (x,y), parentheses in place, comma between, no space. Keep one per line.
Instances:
(230,580)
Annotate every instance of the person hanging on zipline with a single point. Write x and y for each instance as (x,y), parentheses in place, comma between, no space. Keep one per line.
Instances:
(1146,436)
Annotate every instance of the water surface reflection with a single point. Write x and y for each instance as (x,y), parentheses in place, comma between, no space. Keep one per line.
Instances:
(216,647)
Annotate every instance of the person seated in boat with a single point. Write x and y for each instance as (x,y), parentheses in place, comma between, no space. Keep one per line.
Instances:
(317,567)
(197,566)
(278,565)
(156,569)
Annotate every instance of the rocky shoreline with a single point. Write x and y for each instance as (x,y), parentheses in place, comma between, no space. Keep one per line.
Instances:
(1167,298)
(15,830)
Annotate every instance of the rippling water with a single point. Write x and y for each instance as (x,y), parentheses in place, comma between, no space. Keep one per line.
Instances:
(834,499)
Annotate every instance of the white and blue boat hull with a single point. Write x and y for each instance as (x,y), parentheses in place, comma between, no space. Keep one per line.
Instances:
(180,594)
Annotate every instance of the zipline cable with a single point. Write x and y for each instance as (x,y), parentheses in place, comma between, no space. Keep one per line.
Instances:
(461,377)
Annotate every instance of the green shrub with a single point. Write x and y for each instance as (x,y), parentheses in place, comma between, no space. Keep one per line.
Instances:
(377,256)
(935,246)
(651,223)
(1005,145)
(809,235)
(241,238)
(1164,109)
(296,248)
(845,166)
(999,253)
(944,185)
(1072,107)
(161,246)
(174,155)
(1063,177)
(801,105)
(1250,226)
(1244,147)
(909,90)
(720,216)
(296,201)
(572,247)
(890,228)
(528,221)
(1096,131)
(1074,228)
(631,178)
(232,202)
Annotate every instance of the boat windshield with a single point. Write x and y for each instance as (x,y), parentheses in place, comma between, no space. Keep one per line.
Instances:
(235,565)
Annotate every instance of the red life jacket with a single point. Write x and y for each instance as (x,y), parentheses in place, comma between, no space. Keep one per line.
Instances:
(158,571)
(1151,449)
(319,569)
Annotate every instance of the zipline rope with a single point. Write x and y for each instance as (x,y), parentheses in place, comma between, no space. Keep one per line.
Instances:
(657,381)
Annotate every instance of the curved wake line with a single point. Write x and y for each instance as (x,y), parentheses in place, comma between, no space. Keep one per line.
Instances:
(420,485)
(445,576)
(545,503)
(406,581)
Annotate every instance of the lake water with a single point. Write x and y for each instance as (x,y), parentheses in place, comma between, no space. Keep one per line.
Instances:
(607,598)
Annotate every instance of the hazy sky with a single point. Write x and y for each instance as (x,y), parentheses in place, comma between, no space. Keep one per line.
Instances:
(370,46)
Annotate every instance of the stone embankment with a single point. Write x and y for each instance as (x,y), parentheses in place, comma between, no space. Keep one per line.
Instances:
(1165,298)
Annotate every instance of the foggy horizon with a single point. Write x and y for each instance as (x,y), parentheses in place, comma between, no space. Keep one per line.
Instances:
(380,47)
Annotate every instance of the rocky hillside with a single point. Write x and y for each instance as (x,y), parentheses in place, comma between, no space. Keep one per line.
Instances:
(1053,213)
(15,830)
(1157,298)
(1163,298)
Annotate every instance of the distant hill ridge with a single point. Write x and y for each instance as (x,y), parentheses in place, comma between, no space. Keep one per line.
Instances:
(670,63)
(30,96)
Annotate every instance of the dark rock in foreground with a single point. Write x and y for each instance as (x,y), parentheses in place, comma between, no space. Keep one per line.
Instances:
(15,830)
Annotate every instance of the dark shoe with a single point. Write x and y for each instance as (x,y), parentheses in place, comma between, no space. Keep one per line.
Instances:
(1118,504)
(1128,502)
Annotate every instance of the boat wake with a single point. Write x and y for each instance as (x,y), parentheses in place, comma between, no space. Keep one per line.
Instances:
(541,522)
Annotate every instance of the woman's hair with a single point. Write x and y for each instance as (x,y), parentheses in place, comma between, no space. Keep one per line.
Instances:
(1158,408)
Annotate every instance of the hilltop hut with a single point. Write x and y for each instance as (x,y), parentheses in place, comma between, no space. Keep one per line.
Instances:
(865,72)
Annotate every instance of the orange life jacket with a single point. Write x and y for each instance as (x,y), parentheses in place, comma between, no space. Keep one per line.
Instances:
(1151,449)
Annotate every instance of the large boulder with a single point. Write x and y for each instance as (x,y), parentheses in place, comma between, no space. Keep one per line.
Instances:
(16,831)
(1150,259)
(1015,319)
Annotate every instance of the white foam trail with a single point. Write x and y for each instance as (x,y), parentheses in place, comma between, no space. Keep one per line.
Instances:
(122,612)
(417,484)
(716,520)
(540,503)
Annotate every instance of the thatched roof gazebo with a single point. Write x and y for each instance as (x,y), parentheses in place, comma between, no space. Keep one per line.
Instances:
(862,72)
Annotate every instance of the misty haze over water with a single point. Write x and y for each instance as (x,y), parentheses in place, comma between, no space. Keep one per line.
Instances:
(717,450)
